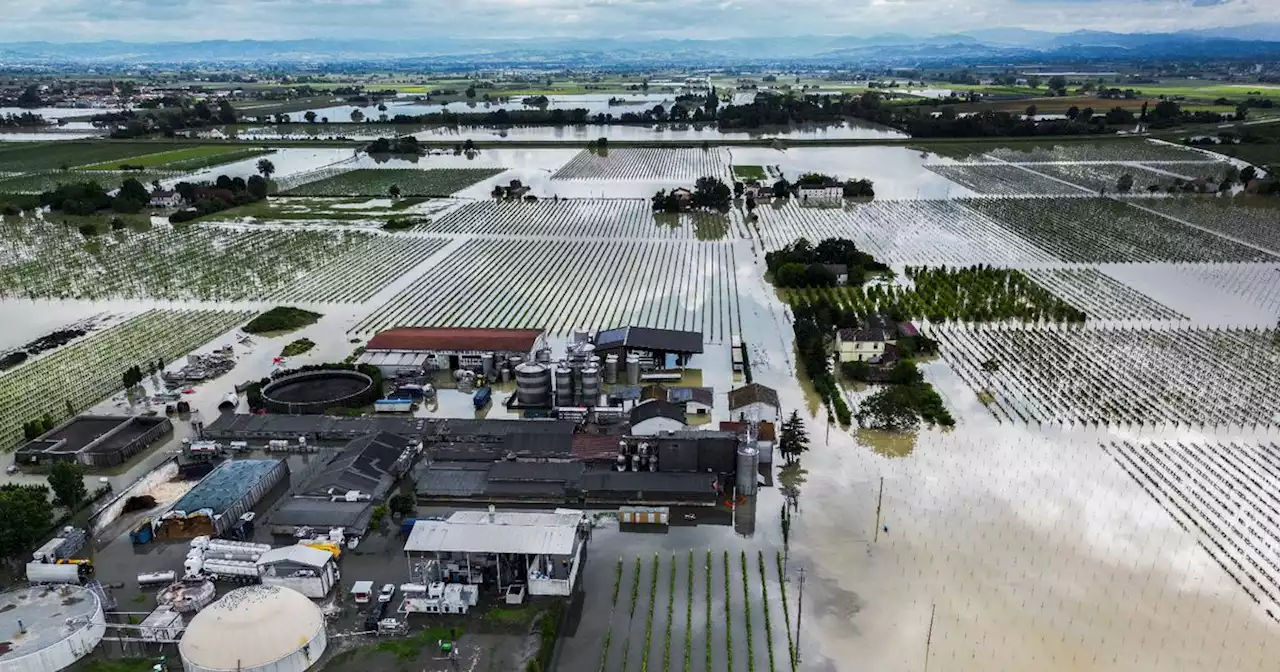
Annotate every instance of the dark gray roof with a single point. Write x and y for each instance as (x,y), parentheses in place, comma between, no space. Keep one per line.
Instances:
(656,409)
(453,479)
(367,464)
(538,444)
(300,511)
(561,472)
(683,395)
(457,427)
(645,338)
(751,393)
(647,481)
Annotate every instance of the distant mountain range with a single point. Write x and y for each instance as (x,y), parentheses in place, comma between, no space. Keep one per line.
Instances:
(995,44)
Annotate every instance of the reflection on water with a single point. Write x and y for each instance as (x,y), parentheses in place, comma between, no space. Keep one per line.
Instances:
(888,444)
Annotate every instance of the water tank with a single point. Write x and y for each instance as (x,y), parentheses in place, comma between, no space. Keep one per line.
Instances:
(611,370)
(748,466)
(633,370)
(564,386)
(590,385)
(488,366)
(744,516)
(581,336)
(533,385)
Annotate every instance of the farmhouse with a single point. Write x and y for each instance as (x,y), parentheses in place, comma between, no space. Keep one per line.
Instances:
(695,400)
(656,348)
(162,198)
(865,342)
(839,271)
(826,191)
(415,349)
(754,401)
(758,192)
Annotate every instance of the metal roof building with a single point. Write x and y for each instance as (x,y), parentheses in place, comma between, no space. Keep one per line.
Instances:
(646,338)
(520,532)
(231,489)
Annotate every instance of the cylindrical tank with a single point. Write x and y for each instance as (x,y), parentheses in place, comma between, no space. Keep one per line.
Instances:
(581,336)
(590,385)
(505,374)
(578,397)
(49,628)
(564,386)
(488,365)
(748,465)
(255,629)
(611,370)
(633,370)
(533,385)
(744,516)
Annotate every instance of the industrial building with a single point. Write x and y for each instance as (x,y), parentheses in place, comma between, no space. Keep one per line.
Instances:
(218,500)
(411,350)
(541,550)
(48,628)
(654,348)
(320,514)
(310,571)
(255,629)
(655,416)
(367,466)
(95,440)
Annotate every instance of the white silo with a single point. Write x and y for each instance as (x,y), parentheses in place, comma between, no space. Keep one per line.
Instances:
(533,385)
(49,628)
(255,629)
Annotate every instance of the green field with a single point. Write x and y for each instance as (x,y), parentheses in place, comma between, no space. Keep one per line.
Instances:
(39,182)
(42,156)
(749,172)
(186,158)
(374,182)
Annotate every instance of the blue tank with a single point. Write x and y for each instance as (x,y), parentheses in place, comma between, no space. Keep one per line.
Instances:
(482,397)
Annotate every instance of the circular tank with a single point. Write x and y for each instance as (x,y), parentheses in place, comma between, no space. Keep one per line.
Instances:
(255,629)
(187,595)
(564,386)
(48,628)
(312,392)
(748,465)
(590,385)
(488,365)
(533,385)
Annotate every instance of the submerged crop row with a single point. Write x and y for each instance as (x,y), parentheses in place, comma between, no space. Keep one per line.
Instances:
(405,182)
(1226,494)
(644,163)
(1002,179)
(560,285)
(1119,376)
(1100,296)
(79,375)
(361,271)
(579,218)
(1253,220)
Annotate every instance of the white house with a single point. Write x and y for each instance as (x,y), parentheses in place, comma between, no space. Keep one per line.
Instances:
(865,343)
(826,192)
(165,199)
(655,416)
(754,401)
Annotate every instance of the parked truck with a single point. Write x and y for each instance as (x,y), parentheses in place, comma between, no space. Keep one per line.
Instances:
(48,572)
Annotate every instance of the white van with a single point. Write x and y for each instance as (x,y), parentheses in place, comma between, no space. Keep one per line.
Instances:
(362,591)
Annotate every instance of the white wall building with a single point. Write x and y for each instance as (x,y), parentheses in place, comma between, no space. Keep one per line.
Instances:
(754,401)
(308,570)
(651,417)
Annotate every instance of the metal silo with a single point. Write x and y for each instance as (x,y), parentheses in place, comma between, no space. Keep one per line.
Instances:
(488,366)
(533,385)
(564,385)
(748,466)
(590,385)
(611,370)
(633,370)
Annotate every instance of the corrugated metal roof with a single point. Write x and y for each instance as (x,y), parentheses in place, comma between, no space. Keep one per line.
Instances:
(299,554)
(408,360)
(225,484)
(510,532)
(301,511)
(646,338)
(429,339)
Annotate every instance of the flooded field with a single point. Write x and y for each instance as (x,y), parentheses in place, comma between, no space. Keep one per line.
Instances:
(1108,507)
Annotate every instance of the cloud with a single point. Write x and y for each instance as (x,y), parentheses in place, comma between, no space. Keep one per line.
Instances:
(427,20)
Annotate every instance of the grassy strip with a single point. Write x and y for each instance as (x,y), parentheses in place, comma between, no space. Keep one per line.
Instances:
(708,602)
(613,606)
(281,319)
(671,604)
(297,347)
(786,613)
(728,617)
(635,588)
(617,582)
(648,625)
(746,614)
(764,591)
(688,617)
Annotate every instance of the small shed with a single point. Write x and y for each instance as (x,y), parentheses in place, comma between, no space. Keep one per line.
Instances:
(308,570)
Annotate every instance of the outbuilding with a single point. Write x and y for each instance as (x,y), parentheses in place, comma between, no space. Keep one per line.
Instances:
(655,348)
(308,570)
(656,416)
(414,349)
(754,400)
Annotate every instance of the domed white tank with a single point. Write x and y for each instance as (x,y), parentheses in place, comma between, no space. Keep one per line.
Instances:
(533,385)
(255,629)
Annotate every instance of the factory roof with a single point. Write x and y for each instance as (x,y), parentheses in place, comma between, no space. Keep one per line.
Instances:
(366,465)
(251,627)
(431,338)
(656,409)
(297,554)
(594,446)
(224,485)
(406,360)
(645,338)
(559,472)
(753,393)
(498,428)
(453,479)
(764,430)
(322,513)
(507,532)
(538,444)
(647,481)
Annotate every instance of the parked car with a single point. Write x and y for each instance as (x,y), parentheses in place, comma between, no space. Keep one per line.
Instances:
(388,591)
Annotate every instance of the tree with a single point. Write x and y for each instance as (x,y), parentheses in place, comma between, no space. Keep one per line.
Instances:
(856,370)
(471,91)
(257,187)
(1033,82)
(1031,111)
(1058,84)
(602,144)
(133,190)
(25,516)
(266,168)
(394,191)
(738,189)
(310,117)
(888,409)
(66,479)
(905,373)
(1073,112)
(401,504)
(469,145)
(1125,183)
(357,116)
(793,441)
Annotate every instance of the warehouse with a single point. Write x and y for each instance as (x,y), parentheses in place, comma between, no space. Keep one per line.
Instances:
(655,348)
(255,629)
(541,550)
(368,466)
(95,440)
(217,501)
(308,570)
(320,515)
(414,349)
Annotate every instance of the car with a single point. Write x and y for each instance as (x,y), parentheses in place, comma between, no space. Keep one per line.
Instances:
(12,469)
(388,591)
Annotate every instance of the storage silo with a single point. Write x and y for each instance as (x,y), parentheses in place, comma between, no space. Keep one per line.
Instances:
(488,366)
(748,466)
(590,385)
(48,628)
(633,370)
(611,370)
(533,385)
(564,385)
(255,629)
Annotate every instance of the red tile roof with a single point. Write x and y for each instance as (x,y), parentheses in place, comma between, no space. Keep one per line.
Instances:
(593,447)
(430,338)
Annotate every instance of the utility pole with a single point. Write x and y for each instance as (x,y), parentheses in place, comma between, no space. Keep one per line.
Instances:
(799,614)
(879,501)
(928,640)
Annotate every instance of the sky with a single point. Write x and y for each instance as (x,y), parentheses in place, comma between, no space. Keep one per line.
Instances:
(190,20)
